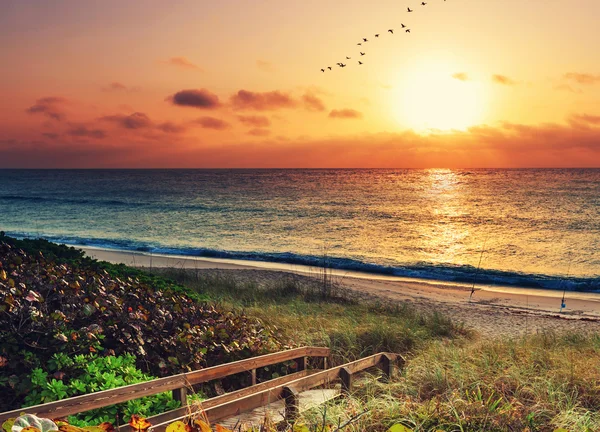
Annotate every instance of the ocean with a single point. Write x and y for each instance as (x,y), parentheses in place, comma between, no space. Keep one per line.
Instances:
(531,227)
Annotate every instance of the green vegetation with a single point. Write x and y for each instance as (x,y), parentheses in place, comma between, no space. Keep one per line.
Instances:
(452,381)
(55,300)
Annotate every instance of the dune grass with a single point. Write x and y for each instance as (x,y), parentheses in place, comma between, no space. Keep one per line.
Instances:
(451,381)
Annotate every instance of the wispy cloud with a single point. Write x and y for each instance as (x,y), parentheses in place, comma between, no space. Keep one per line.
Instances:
(265,66)
(184,63)
(345,114)
(503,80)
(259,132)
(202,99)
(116,86)
(51,107)
(137,120)
(312,102)
(83,131)
(256,121)
(265,101)
(461,76)
(582,78)
(212,123)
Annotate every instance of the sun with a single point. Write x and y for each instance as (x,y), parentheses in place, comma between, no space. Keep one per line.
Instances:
(429,98)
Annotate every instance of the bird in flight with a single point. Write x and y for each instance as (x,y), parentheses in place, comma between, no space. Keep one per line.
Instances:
(322,70)
(362,53)
(407,30)
(409,9)
(365,40)
(359,44)
(377,35)
(359,62)
(391,31)
(403,26)
(347,58)
(329,67)
(423,3)
(342,65)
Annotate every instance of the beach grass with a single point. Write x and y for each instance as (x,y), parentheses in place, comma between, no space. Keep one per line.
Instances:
(453,380)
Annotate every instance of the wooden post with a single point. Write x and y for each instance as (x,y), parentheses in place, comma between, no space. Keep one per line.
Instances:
(387,366)
(346,377)
(325,361)
(253,372)
(291,403)
(302,363)
(180,395)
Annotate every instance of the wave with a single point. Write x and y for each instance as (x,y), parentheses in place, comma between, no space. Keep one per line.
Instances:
(64,200)
(429,271)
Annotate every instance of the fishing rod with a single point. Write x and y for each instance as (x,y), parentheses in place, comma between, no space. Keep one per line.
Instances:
(478,268)
(562,302)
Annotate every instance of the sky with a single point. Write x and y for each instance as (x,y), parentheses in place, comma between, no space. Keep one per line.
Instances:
(238,84)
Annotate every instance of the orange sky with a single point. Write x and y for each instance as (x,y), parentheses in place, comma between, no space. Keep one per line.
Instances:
(494,83)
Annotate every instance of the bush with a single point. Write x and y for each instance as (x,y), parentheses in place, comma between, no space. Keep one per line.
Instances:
(66,303)
(82,374)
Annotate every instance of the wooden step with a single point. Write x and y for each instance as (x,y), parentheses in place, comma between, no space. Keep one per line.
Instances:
(275,411)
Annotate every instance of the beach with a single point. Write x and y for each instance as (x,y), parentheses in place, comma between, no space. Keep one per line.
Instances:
(492,311)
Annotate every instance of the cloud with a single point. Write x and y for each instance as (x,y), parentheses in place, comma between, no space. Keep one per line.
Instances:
(507,145)
(82,131)
(345,114)
(247,100)
(183,63)
(202,99)
(212,123)
(256,121)
(264,66)
(170,127)
(566,87)
(461,76)
(312,102)
(259,132)
(586,119)
(582,78)
(137,120)
(50,107)
(119,87)
(503,79)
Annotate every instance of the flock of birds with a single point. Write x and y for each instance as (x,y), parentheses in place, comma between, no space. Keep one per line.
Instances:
(365,40)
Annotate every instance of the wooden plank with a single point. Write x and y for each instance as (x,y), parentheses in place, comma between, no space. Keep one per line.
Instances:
(161,421)
(235,407)
(180,395)
(346,377)
(276,410)
(245,404)
(106,398)
(292,401)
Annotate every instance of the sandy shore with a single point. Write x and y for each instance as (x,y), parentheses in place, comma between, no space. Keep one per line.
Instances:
(492,311)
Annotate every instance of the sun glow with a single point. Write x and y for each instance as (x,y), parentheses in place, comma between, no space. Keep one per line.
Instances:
(430,98)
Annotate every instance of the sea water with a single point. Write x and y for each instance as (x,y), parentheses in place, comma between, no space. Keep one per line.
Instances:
(532,227)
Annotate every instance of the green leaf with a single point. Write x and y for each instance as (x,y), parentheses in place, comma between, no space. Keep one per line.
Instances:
(399,428)
(8,424)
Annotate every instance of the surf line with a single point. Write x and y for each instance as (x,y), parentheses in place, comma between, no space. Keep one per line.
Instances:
(478,268)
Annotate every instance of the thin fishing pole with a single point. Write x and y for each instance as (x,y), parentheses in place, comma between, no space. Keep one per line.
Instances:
(478,267)
(562,302)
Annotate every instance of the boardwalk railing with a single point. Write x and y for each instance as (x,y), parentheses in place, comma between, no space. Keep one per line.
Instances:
(178,384)
(288,388)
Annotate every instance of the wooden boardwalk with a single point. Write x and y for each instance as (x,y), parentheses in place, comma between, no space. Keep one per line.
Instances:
(280,398)
(275,410)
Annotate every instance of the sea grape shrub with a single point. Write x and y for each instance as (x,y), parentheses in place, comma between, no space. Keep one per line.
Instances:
(70,376)
(48,306)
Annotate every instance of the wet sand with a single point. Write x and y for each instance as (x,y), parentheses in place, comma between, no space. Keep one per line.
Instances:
(492,311)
